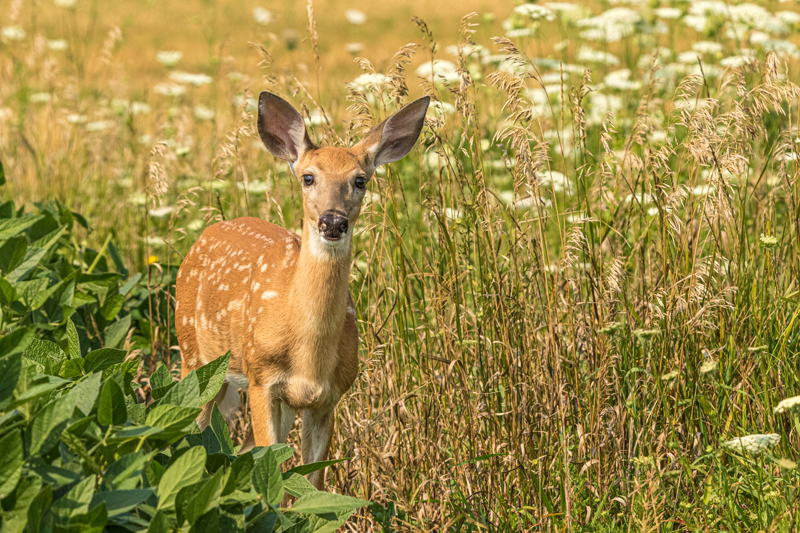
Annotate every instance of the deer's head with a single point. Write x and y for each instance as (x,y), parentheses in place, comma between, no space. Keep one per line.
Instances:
(334,179)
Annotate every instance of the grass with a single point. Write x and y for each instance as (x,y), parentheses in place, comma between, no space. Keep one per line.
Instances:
(564,314)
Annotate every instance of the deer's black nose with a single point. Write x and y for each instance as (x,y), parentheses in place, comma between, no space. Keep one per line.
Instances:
(332,225)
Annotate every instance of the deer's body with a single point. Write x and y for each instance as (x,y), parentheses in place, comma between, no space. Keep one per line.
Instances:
(280,303)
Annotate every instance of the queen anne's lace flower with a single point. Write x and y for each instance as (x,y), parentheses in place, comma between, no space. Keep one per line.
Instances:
(789,404)
(754,444)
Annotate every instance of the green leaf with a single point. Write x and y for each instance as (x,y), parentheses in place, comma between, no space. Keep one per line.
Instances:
(75,502)
(130,465)
(241,472)
(99,360)
(86,391)
(326,502)
(211,376)
(111,410)
(185,393)
(33,256)
(171,417)
(208,523)
(2,174)
(116,332)
(220,428)
(112,307)
(160,382)
(304,470)
(185,470)
(73,342)
(154,472)
(14,226)
(10,462)
(267,478)
(297,485)
(159,523)
(8,294)
(94,521)
(10,367)
(196,500)
(16,341)
(12,253)
(37,512)
(48,424)
(14,519)
(120,501)
(46,353)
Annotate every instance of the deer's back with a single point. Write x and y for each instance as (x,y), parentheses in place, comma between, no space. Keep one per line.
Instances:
(237,270)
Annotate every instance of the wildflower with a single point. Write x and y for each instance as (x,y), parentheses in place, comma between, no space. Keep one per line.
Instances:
(99,125)
(620,80)
(707,47)
(75,118)
(169,59)
(668,13)
(57,45)
(670,376)
(611,25)
(612,328)
(169,89)
(535,12)
(13,33)
(65,3)
(591,55)
(353,48)
(161,212)
(262,16)
(201,112)
(250,105)
(441,68)
(789,404)
(195,225)
(193,79)
(646,333)
(39,98)
(139,108)
(786,463)
(354,16)
(754,444)
(768,241)
(254,187)
(152,259)
(557,180)
(366,82)
(708,366)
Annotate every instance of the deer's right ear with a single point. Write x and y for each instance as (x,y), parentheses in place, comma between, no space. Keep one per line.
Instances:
(281,128)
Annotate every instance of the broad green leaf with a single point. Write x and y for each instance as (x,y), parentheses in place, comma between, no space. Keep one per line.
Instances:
(220,428)
(34,255)
(241,472)
(52,474)
(281,451)
(304,470)
(10,462)
(328,522)
(2,174)
(208,523)
(38,509)
(326,502)
(28,290)
(196,500)
(41,386)
(120,501)
(267,478)
(111,410)
(185,393)
(130,465)
(46,353)
(153,473)
(185,470)
(159,523)
(15,519)
(99,360)
(171,417)
(211,376)
(14,226)
(130,284)
(73,342)
(16,341)
(86,391)
(112,306)
(10,367)
(8,294)
(12,252)
(297,485)
(75,502)
(48,424)
(114,334)
(160,382)
(93,521)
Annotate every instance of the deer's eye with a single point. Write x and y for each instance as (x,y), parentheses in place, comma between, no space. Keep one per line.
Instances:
(361,182)
(308,180)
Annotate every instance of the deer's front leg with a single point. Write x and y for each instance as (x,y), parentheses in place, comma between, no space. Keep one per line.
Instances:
(265,414)
(317,433)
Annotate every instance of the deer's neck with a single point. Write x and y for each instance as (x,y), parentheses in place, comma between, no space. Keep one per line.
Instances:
(318,300)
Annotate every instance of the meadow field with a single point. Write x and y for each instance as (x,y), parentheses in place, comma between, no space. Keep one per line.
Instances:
(577,297)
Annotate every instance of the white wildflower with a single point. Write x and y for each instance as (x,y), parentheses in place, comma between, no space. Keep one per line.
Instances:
(254,187)
(669,13)
(193,79)
(621,80)
(753,444)
(353,48)
(669,376)
(169,89)
(707,47)
(262,16)
(99,125)
(13,33)
(557,180)
(39,98)
(354,16)
(169,59)
(440,68)
(75,118)
(201,112)
(65,3)
(789,404)
(57,45)
(535,12)
(368,82)
(590,55)
(708,366)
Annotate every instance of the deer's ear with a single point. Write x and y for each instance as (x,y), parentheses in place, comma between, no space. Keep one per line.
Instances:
(393,138)
(281,128)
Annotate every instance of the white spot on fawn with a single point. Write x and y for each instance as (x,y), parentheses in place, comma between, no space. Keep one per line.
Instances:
(268,294)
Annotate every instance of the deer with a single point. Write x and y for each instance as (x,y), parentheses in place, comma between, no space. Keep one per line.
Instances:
(280,302)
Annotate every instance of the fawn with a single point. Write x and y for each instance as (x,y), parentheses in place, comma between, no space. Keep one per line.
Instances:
(280,302)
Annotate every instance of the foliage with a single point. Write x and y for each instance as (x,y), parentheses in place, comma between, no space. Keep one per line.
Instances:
(79,450)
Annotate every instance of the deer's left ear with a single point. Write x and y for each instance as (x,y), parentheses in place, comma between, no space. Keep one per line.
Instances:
(393,138)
